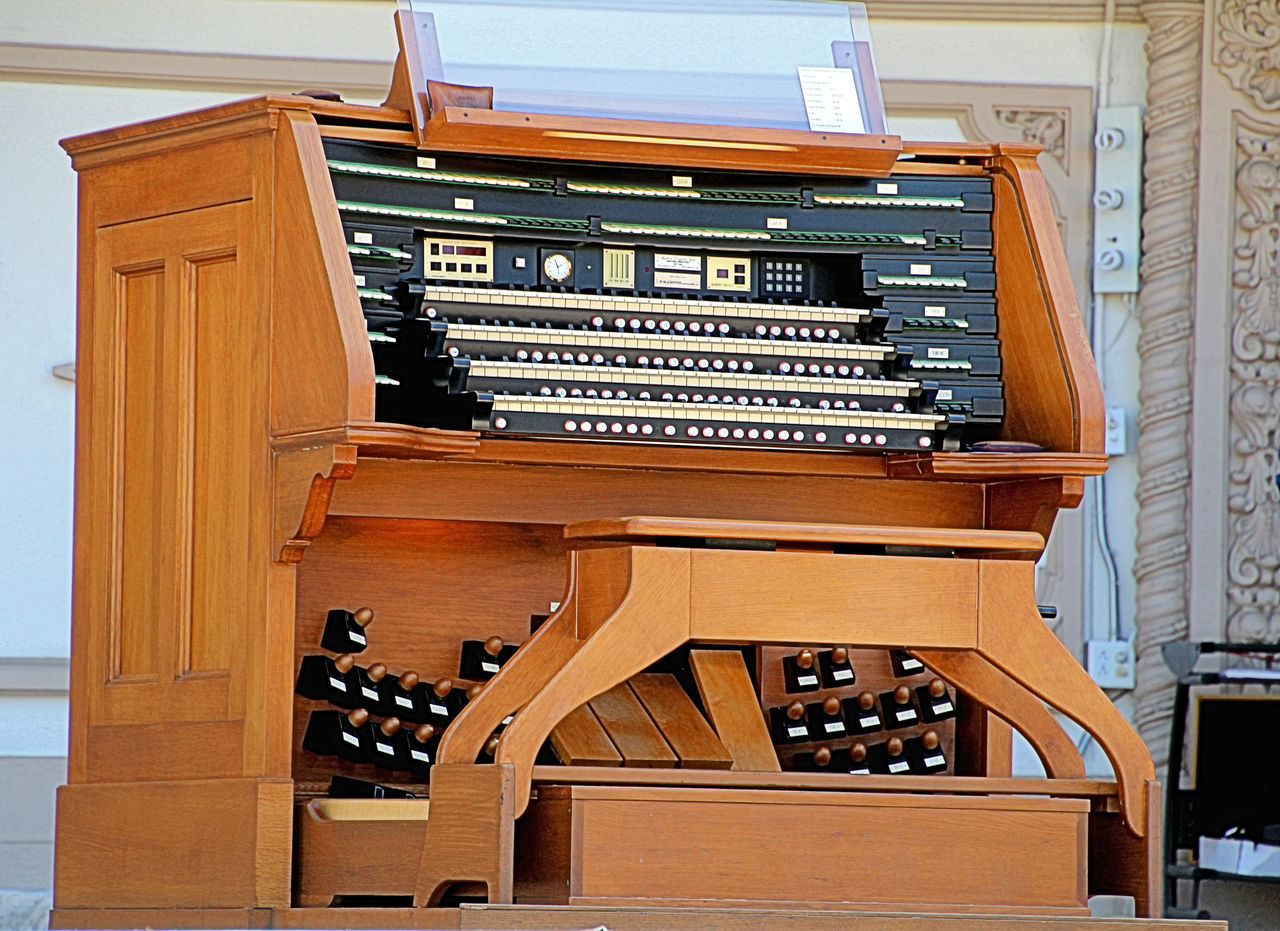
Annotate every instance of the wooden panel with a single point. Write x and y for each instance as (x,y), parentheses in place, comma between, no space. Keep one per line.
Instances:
(683,726)
(709,844)
(579,740)
(815,597)
(725,687)
(367,857)
(207,844)
(631,729)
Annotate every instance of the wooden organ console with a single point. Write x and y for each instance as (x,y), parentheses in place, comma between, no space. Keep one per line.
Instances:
(793,413)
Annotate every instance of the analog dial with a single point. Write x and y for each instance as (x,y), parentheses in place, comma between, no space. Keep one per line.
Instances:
(557,267)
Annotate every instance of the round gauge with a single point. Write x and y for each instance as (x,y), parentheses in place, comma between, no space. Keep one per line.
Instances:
(557,266)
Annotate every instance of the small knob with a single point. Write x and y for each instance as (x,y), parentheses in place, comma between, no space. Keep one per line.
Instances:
(344,663)
(376,672)
(491,745)
(831,706)
(858,752)
(364,616)
(839,655)
(795,710)
(408,680)
(1110,260)
(358,717)
(930,740)
(822,756)
(937,688)
(902,695)
(474,690)
(804,659)
(866,701)
(1108,199)
(423,733)
(493,646)
(442,687)
(389,726)
(894,746)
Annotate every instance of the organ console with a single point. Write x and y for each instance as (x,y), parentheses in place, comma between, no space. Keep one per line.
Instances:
(433,359)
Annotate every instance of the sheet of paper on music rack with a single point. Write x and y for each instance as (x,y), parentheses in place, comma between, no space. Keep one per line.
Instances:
(831,100)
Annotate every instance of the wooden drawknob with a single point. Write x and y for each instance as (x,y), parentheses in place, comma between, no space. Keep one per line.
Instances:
(376,672)
(822,756)
(866,701)
(894,746)
(493,646)
(389,726)
(902,695)
(358,717)
(929,740)
(474,690)
(937,688)
(831,706)
(491,745)
(858,752)
(408,680)
(442,687)
(795,710)
(344,663)
(839,655)
(423,733)
(804,659)
(363,616)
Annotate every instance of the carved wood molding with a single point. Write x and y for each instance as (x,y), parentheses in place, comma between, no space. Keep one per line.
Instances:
(304,480)
(1253,497)
(1165,313)
(1248,33)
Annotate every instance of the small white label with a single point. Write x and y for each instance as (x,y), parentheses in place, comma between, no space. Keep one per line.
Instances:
(369,693)
(420,756)
(438,709)
(464,203)
(944,394)
(834,727)
(942,708)
(775,223)
(488,666)
(359,280)
(935,310)
(906,714)
(677,263)
(921,269)
(869,721)
(681,181)
(939,352)
(682,280)
(899,766)
(886,187)
(351,738)
(426,161)
(555,606)
(384,748)
(404,702)
(911,662)
(841,674)
(859,771)
(936,760)
(363,239)
(357,638)
(507,719)
(338,684)
(520,262)
(797,731)
(806,680)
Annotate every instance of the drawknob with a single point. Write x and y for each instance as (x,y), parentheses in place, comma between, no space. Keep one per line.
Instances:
(442,687)
(804,659)
(423,733)
(795,710)
(358,717)
(344,662)
(858,752)
(389,726)
(822,756)
(363,616)
(894,746)
(902,695)
(840,655)
(866,701)
(408,680)
(930,740)
(474,690)
(831,706)
(376,672)
(491,745)
(937,688)
(493,646)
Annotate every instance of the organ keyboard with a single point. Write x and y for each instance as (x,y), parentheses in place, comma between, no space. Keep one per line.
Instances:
(334,356)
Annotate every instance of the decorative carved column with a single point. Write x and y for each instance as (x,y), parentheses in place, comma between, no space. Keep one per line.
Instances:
(1165,312)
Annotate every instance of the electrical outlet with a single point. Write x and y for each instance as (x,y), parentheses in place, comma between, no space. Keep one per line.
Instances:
(1117,200)
(1116,437)
(1110,663)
